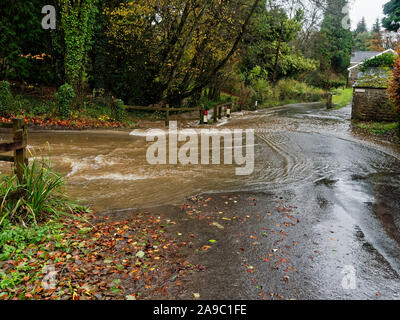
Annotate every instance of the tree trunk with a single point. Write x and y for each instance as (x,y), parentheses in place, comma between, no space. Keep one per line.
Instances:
(278,51)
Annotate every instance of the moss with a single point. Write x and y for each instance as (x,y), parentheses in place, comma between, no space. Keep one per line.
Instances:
(377,78)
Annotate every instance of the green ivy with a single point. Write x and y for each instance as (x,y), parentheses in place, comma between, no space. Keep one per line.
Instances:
(384,60)
(64,98)
(119,110)
(78,20)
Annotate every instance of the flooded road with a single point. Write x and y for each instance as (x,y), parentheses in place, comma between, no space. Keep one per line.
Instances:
(345,187)
(294,144)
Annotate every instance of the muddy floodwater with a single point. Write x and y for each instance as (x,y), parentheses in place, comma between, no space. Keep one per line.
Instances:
(294,145)
(343,184)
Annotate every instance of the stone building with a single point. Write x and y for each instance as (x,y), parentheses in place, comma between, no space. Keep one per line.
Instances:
(370,97)
(357,60)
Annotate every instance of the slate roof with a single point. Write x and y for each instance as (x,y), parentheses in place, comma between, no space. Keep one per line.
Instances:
(365,55)
(360,56)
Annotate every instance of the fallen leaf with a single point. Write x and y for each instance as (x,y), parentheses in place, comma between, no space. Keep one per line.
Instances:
(216,224)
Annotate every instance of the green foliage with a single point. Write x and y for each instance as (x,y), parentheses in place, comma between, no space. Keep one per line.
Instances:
(27,52)
(260,46)
(377,26)
(379,128)
(292,89)
(392,11)
(377,78)
(285,91)
(336,84)
(22,237)
(78,21)
(64,98)
(362,26)
(39,196)
(394,83)
(174,49)
(17,242)
(342,98)
(118,107)
(363,41)
(5,97)
(334,43)
(383,60)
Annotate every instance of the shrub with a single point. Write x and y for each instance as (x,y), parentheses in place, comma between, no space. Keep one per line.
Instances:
(247,97)
(295,90)
(262,88)
(5,97)
(64,98)
(384,60)
(118,108)
(336,84)
(394,84)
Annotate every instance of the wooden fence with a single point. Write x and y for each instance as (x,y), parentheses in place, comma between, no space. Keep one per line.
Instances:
(18,145)
(218,112)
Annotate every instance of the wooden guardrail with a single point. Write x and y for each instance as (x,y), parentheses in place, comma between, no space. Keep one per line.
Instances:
(218,112)
(167,111)
(18,145)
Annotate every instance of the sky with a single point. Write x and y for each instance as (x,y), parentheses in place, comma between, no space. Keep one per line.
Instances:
(370,9)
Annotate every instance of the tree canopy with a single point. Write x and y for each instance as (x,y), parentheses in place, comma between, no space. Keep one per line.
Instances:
(392,19)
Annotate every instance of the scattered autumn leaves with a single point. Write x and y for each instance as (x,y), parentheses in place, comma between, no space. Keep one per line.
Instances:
(53,123)
(131,259)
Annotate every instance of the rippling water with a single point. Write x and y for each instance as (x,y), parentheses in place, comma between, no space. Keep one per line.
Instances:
(108,169)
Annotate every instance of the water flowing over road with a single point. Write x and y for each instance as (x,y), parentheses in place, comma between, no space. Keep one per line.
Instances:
(346,187)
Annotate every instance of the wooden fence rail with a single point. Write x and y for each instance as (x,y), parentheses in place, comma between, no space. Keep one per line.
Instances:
(18,146)
(218,111)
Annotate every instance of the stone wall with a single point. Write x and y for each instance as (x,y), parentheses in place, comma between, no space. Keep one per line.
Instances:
(372,104)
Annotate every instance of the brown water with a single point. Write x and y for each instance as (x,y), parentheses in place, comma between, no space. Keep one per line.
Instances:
(108,169)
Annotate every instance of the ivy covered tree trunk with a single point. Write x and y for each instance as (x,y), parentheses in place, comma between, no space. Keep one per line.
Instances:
(78,20)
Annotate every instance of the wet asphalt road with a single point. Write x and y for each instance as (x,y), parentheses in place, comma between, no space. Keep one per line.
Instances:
(330,230)
(322,203)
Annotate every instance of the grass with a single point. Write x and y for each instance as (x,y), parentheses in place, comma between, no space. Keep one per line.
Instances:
(342,98)
(379,128)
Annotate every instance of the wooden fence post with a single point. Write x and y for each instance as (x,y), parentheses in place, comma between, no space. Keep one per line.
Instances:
(167,116)
(330,98)
(201,114)
(215,114)
(20,159)
(219,112)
